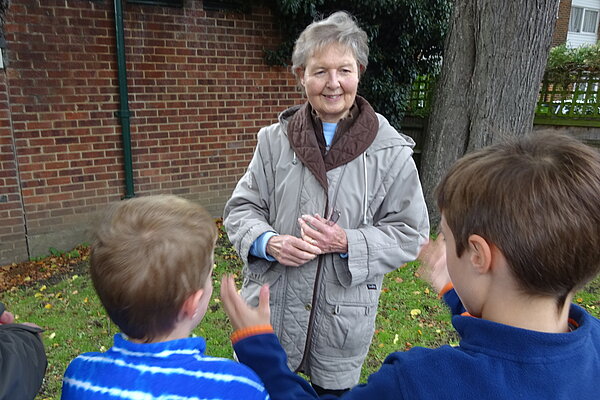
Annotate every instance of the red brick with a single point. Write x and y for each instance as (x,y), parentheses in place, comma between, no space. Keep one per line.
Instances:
(198,96)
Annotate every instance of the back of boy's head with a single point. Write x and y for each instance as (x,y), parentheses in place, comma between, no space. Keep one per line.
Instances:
(537,199)
(150,254)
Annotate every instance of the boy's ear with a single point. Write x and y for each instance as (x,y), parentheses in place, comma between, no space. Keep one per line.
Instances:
(191,304)
(480,253)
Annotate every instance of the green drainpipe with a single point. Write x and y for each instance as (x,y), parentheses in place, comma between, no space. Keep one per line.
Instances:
(123,113)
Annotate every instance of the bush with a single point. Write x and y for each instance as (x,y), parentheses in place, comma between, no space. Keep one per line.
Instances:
(564,60)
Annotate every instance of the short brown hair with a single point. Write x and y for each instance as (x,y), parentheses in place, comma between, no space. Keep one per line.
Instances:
(538,200)
(149,255)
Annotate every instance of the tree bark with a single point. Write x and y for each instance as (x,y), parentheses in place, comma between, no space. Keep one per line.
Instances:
(494,60)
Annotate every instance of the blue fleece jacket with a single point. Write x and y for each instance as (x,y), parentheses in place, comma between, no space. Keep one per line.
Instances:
(493,361)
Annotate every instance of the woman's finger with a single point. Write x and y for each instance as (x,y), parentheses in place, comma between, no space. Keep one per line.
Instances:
(307,229)
(316,223)
(304,236)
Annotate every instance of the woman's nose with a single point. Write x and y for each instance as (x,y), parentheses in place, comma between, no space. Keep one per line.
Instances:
(332,80)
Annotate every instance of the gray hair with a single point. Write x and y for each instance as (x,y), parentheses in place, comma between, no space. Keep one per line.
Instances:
(340,27)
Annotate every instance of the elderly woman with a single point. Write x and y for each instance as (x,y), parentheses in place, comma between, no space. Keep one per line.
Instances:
(331,201)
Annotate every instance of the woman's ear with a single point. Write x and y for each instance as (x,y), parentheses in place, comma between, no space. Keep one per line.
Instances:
(361,70)
(480,254)
(299,73)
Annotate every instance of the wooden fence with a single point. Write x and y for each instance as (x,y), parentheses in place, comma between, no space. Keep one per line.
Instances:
(566,99)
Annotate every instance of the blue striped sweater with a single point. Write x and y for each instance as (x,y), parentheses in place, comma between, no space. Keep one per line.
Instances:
(173,370)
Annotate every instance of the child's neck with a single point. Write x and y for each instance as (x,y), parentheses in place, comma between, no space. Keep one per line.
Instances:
(180,332)
(534,313)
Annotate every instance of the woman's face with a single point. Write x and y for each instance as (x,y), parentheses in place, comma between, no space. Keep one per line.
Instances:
(330,81)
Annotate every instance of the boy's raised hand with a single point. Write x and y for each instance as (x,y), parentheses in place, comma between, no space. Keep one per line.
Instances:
(240,313)
(433,263)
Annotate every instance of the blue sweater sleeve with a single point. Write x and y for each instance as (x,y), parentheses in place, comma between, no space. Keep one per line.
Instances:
(266,357)
(259,247)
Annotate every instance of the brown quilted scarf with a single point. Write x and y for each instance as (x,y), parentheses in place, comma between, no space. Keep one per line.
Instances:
(353,135)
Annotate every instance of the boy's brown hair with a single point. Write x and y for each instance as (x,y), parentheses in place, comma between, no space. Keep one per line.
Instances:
(537,199)
(149,255)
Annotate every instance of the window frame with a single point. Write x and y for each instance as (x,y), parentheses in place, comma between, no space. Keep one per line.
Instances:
(585,10)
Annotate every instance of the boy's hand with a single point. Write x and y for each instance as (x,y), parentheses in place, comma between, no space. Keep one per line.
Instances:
(6,318)
(433,263)
(241,314)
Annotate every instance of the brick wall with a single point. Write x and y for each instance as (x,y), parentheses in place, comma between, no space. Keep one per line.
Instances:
(562,23)
(199,91)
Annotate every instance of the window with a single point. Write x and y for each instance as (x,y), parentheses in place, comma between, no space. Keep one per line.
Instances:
(583,20)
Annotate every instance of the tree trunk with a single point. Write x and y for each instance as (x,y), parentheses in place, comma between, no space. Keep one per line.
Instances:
(494,61)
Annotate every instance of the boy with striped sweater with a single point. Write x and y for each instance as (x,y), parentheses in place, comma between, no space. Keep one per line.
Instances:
(151,266)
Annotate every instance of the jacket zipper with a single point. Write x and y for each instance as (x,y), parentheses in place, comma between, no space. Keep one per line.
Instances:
(311,319)
(315,296)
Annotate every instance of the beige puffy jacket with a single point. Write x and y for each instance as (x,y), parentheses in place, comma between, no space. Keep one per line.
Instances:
(335,299)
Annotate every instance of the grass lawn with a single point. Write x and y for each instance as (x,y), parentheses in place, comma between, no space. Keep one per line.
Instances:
(410,314)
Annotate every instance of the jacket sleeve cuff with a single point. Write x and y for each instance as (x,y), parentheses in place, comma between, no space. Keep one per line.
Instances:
(250,331)
(358,258)
(445,289)
(259,247)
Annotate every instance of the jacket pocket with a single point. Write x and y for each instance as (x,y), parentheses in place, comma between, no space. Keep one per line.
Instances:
(348,319)
(253,282)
